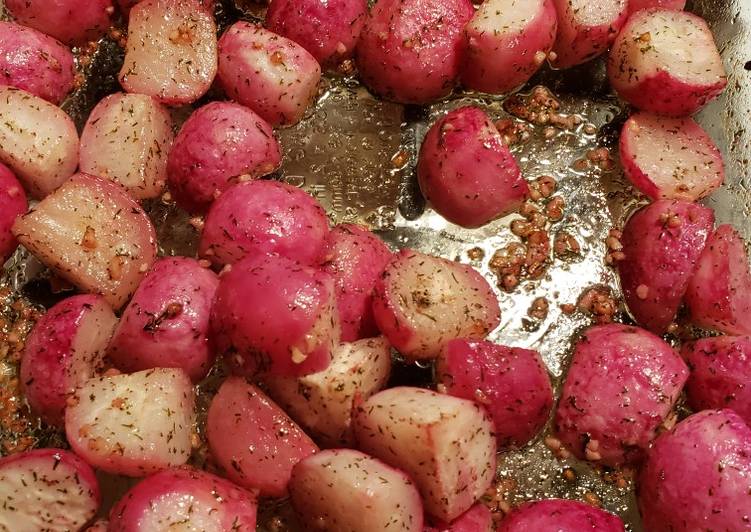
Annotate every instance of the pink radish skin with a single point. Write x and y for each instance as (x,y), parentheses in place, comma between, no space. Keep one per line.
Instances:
(259,217)
(126,139)
(621,386)
(355,258)
(507,42)
(322,402)
(466,171)
(670,158)
(698,475)
(719,293)
(512,383)
(476,519)
(65,348)
(35,62)
(166,324)
(46,489)
(662,243)
(666,62)
(92,233)
(219,144)
(560,515)
(253,440)
(171,52)
(73,22)
(344,490)
(184,498)
(290,329)
(445,444)
(638,5)
(720,374)
(274,76)
(411,51)
(38,141)
(328,29)
(12,205)
(422,302)
(586,29)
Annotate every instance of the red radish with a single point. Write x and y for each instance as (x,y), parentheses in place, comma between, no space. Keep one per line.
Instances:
(636,5)
(322,402)
(620,388)
(258,217)
(71,21)
(670,158)
(343,490)
(65,348)
(720,374)
(476,519)
(290,327)
(698,475)
(586,28)
(219,144)
(274,76)
(133,424)
(355,258)
(35,62)
(126,139)
(46,489)
(166,324)
(511,383)
(445,444)
(466,171)
(92,233)
(719,293)
(328,29)
(507,42)
(38,141)
(411,51)
(560,515)
(666,62)
(12,205)
(184,499)
(253,440)
(422,302)
(662,243)
(171,52)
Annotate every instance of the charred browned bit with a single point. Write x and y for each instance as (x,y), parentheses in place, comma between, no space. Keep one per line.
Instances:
(539,308)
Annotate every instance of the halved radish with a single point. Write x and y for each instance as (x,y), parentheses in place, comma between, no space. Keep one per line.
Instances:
(476,519)
(74,22)
(38,141)
(171,52)
(127,138)
(719,293)
(423,302)
(92,233)
(637,5)
(133,424)
(507,42)
(344,490)
(66,348)
(586,28)
(13,204)
(666,62)
(670,158)
(46,489)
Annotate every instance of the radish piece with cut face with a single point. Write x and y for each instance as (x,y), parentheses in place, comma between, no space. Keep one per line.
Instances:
(476,519)
(133,424)
(670,158)
(46,489)
(12,205)
(65,348)
(92,233)
(171,52)
(38,141)
(74,22)
(637,5)
(666,62)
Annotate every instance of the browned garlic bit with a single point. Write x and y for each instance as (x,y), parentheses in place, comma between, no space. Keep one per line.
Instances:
(539,309)
(615,248)
(599,302)
(541,108)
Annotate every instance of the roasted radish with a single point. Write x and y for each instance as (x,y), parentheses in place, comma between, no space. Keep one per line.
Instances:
(92,234)
(637,5)
(560,515)
(12,205)
(476,519)
(666,62)
(423,302)
(253,440)
(445,444)
(71,21)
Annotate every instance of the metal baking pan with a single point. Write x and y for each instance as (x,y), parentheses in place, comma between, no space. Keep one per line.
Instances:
(356,154)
